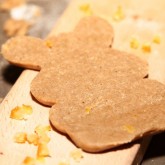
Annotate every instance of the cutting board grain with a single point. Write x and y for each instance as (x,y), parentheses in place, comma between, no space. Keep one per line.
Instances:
(60,146)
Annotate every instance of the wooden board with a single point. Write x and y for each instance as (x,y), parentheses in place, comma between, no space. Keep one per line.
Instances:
(60,147)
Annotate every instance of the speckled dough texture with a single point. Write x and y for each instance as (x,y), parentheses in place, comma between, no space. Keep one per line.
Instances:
(100,97)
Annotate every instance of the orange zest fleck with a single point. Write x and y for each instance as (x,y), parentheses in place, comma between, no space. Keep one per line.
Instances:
(43,150)
(21,113)
(49,43)
(27,109)
(156,39)
(40,139)
(76,154)
(134,43)
(86,9)
(118,14)
(42,129)
(33,139)
(40,159)
(146,47)
(20,137)
(129,128)
(29,161)
(33,161)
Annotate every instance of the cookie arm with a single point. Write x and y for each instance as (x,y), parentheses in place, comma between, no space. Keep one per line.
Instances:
(25,51)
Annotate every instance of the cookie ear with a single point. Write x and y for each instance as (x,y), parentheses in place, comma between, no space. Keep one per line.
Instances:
(27,52)
(96,31)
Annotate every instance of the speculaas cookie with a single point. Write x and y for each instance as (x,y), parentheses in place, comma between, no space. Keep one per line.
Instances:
(100,97)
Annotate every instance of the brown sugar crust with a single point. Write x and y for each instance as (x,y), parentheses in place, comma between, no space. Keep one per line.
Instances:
(99,96)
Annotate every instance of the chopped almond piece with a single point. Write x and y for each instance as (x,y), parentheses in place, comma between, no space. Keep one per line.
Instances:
(156,39)
(76,154)
(20,137)
(118,14)
(134,43)
(42,129)
(43,150)
(85,8)
(146,48)
(20,113)
(33,139)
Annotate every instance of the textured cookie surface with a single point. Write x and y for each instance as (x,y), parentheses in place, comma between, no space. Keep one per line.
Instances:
(99,96)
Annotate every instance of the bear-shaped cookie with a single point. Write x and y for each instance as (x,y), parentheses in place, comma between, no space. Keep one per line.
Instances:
(100,97)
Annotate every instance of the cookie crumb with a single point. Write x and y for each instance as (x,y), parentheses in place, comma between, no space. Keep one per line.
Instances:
(42,129)
(44,138)
(32,139)
(88,110)
(49,44)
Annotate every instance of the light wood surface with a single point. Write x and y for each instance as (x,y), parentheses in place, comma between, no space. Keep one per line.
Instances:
(60,147)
